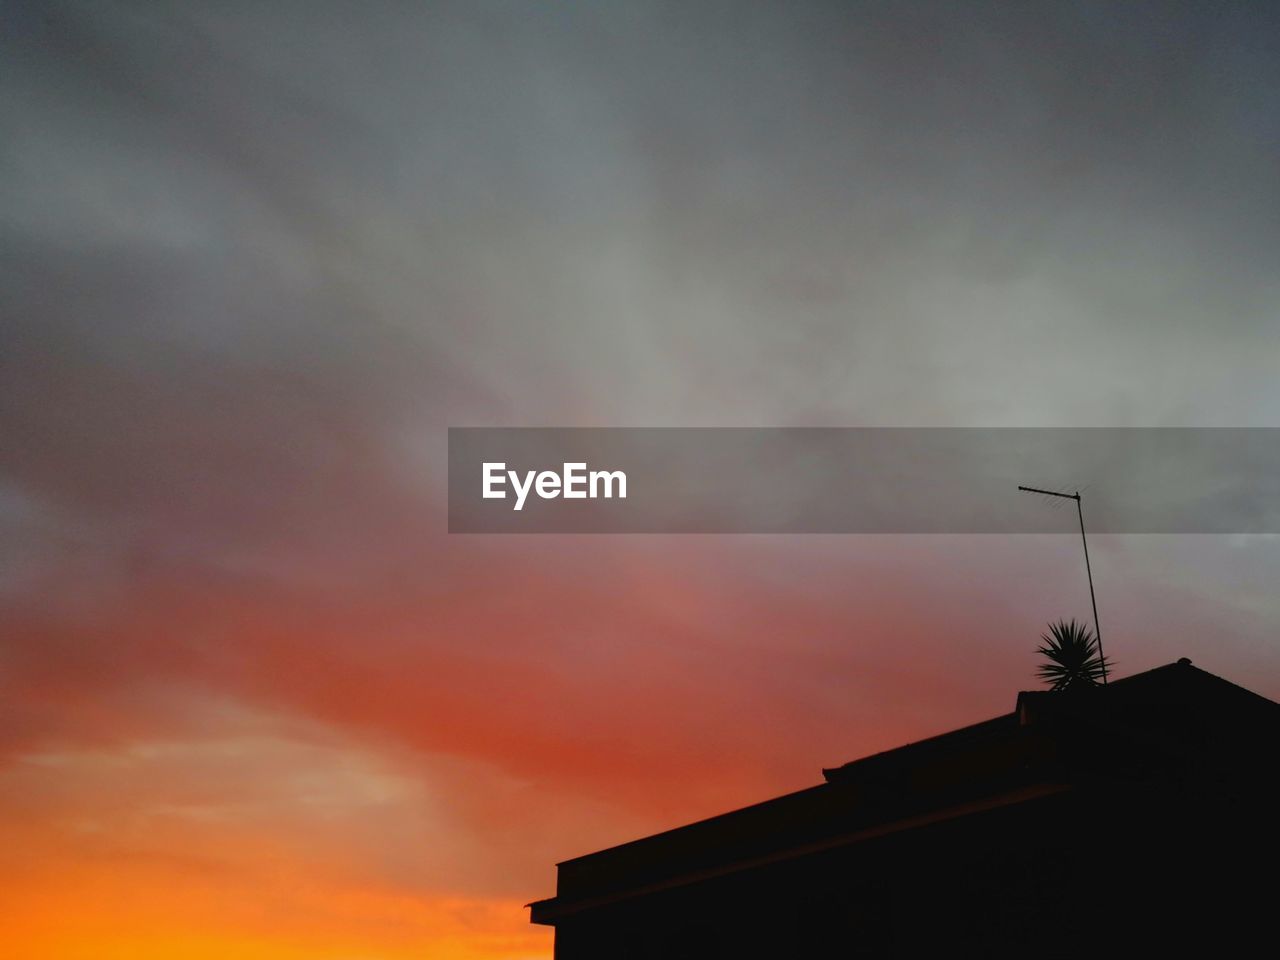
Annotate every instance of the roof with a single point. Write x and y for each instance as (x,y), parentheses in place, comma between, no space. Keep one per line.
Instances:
(1162,719)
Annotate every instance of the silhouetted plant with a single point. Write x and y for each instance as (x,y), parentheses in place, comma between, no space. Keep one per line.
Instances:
(1072,651)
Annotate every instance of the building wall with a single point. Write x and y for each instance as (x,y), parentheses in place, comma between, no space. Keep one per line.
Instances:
(1114,867)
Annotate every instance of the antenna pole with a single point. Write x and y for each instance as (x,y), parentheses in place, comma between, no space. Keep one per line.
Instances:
(1097,631)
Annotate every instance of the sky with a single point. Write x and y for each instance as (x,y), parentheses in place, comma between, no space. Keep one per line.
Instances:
(256,258)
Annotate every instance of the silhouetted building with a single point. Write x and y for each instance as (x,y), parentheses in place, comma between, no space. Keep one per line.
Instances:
(1127,819)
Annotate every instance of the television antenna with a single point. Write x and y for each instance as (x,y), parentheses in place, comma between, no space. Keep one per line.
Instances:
(1097,631)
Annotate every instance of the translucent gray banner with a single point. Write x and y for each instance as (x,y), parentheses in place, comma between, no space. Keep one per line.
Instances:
(862,480)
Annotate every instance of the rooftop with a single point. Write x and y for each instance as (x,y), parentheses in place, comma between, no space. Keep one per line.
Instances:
(1175,720)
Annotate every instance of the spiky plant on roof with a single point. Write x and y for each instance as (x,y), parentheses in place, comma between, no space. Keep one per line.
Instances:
(1072,652)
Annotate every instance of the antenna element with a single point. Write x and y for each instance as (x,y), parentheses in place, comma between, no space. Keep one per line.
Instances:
(1097,631)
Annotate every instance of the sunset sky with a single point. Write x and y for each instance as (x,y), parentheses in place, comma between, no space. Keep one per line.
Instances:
(256,258)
